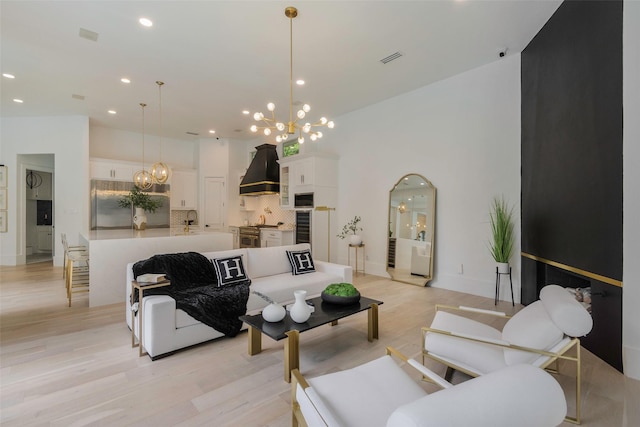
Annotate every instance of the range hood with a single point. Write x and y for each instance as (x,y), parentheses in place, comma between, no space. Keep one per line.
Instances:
(263,175)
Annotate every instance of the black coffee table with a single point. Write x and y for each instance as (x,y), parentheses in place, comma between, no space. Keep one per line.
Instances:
(324,313)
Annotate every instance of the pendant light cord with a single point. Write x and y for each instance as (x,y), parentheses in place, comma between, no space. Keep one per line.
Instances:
(159,83)
(291,69)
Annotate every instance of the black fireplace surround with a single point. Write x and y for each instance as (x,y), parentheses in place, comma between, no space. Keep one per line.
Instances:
(572,188)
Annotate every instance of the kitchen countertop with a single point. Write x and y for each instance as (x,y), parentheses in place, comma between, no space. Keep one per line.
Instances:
(140,234)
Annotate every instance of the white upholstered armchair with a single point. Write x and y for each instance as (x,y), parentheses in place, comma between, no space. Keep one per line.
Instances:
(540,334)
(381,393)
(421,259)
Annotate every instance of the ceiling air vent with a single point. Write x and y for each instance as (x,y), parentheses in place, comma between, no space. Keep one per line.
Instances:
(193,133)
(391,57)
(78,97)
(88,34)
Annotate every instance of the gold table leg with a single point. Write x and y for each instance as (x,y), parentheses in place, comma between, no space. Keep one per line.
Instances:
(291,353)
(373,323)
(255,341)
(142,352)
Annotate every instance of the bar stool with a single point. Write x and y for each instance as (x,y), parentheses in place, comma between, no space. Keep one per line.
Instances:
(77,273)
(67,249)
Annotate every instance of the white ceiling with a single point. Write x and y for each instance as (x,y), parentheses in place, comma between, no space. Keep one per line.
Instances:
(220,57)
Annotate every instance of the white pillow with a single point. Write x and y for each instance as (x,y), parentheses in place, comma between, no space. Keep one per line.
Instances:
(567,313)
(530,327)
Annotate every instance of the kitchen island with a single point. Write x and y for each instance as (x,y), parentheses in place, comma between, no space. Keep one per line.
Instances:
(111,250)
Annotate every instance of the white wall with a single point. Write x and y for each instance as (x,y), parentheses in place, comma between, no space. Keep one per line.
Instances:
(462,134)
(631,202)
(123,145)
(67,138)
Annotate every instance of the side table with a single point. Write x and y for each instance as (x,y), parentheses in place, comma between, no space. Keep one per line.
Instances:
(141,287)
(360,246)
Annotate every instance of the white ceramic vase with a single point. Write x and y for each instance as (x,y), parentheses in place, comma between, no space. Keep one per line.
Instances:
(355,239)
(273,313)
(300,311)
(140,219)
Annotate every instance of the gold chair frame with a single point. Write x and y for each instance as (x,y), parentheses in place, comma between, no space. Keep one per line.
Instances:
(297,418)
(554,357)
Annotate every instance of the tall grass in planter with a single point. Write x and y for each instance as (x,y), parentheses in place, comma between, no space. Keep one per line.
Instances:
(501,245)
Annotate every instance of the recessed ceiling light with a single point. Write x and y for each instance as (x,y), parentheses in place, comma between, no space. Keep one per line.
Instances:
(111,111)
(9,76)
(145,22)
(212,131)
(245,112)
(125,80)
(19,101)
(300,82)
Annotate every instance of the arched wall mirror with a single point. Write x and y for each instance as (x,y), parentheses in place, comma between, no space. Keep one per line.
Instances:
(412,209)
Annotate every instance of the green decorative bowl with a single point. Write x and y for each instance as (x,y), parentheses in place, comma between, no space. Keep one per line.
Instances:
(336,299)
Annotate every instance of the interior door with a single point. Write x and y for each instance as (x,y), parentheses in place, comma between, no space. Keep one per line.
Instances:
(214,203)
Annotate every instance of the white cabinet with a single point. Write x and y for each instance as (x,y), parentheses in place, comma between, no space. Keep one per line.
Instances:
(43,188)
(303,172)
(286,197)
(45,238)
(270,238)
(113,170)
(184,189)
(311,173)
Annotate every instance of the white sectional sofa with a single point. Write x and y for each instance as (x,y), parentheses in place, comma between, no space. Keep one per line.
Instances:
(167,329)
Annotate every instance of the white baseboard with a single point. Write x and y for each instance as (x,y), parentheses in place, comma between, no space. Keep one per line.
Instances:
(631,362)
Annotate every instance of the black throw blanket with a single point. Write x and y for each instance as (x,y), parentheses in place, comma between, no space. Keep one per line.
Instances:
(194,287)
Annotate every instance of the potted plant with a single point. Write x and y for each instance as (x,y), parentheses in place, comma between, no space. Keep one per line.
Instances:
(351,230)
(142,202)
(502,234)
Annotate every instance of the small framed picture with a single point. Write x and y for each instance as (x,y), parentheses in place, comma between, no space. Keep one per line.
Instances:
(3,199)
(3,221)
(3,177)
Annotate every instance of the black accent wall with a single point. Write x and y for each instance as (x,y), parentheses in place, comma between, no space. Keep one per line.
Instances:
(572,189)
(572,138)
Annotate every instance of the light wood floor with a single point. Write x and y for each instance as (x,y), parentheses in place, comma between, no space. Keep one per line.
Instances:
(74,366)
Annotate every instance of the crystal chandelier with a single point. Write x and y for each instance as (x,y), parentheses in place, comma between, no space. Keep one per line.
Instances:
(160,172)
(290,128)
(143,179)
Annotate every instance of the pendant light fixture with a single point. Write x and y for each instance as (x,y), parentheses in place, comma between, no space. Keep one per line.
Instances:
(160,171)
(142,179)
(292,125)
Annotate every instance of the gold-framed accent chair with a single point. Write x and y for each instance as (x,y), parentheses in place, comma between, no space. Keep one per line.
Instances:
(382,393)
(541,334)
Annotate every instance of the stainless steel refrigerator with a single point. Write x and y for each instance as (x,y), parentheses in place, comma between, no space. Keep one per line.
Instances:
(106,214)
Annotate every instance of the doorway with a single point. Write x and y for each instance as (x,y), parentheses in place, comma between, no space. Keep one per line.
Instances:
(38,182)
